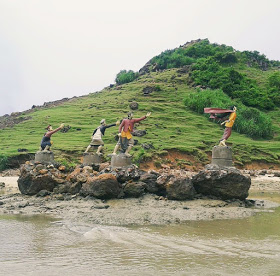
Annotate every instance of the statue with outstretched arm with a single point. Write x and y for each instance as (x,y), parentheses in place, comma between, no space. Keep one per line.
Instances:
(46,140)
(98,133)
(125,137)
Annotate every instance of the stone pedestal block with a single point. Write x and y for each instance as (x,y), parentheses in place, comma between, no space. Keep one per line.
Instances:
(44,157)
(91,158)
(222,156)
(120,161)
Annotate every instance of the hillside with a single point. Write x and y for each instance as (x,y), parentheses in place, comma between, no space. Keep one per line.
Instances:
(176,134)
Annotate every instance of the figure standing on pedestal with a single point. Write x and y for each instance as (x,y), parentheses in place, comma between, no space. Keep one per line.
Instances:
(46,140)
(229,124)
(126,141)
(96,139)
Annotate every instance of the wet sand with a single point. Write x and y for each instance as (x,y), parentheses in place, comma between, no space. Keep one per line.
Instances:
(149,209)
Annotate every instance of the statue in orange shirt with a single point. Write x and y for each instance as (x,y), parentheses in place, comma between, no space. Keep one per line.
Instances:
(126,141)
(229,124)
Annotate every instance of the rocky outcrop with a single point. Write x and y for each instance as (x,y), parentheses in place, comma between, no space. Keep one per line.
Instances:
(134,189)
(180,188)
(227,183)
(104,186)
(36,177)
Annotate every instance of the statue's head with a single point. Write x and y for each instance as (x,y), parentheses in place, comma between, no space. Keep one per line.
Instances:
(233,107)
(49,128)
(103,122)
(129,115)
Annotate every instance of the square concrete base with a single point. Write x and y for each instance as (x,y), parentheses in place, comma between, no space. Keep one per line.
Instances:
(120,161)
(91,159)
(222,156)
(44,157)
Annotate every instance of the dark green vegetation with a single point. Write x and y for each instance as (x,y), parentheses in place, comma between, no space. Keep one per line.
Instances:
(180,83)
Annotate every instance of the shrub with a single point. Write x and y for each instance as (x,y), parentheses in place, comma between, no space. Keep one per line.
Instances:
(3,162)
(126,76)
(250,121)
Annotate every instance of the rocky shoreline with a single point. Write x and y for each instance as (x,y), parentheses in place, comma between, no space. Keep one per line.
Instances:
(146,209)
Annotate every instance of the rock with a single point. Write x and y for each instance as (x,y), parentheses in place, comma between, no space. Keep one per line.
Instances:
(139,132)
(133,105)
(134,189)
(2,185)
(276,174)
(102,166)
(151,182)
(180,188)
(34,179)
(104,186)
(224,183)
(68,187)
(147,146)
(43,193)
(87,169)
(161,184)
(62,168)
(72,177)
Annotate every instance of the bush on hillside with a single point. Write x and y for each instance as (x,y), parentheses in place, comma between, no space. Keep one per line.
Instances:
(126,76)
(3,162)
(274,87)
(209,73)
(250,121)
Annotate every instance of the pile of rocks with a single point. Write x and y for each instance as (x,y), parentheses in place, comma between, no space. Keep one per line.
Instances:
(107,182)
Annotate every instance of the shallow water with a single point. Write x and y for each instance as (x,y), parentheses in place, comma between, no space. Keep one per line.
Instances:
(39,245)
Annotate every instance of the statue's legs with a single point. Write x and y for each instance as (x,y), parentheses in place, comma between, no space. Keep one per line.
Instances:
(116,149)
(222,143)
(99,149)
(47,148)
(87,149)
(127,151)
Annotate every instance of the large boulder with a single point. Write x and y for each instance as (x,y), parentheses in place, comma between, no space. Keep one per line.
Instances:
(34,178)
(180,188)
(104,186)
(150,179)
(134,189)
(224,183)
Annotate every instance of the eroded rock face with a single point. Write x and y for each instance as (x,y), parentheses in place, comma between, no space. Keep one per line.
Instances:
(134,189)
(180,188)
(34,178)
(222,183)
(104,186)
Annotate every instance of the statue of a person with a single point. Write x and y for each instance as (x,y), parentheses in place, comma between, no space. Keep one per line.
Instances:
(125,137)
(228,124)
(46,140)
(96,138)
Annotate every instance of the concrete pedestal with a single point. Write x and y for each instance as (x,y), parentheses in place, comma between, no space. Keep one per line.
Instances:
(91,158)
(222,156)
(44,157)
(120,161)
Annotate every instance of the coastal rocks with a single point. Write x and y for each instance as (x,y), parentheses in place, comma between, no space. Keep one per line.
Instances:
(134,189)
(36,177)
(180,188)
(104,186)
(226,183)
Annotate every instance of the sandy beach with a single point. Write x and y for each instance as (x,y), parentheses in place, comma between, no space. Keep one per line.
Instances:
(149,209)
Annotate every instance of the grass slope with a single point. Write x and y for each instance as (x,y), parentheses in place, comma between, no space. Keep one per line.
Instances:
(171,127)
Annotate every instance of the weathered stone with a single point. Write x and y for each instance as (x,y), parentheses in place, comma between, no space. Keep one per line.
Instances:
(180,188)
(104,186)
(134,189)
(103,166)
(126,174)
(43,193)
(139,132)
(133,105)
(2,185)
(161,183)
(91,158)
(87,169)
(224,183)
(44,157)
(151,182)
(43,171)
(62,168)
(120,161)
(68,187)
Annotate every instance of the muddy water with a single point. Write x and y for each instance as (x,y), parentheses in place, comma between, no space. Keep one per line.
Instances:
(39,245)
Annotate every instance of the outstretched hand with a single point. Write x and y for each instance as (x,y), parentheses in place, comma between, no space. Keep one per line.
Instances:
(61,126)
(117,122)
(148,114)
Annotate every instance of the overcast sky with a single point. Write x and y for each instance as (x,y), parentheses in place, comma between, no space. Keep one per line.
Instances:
(51,49)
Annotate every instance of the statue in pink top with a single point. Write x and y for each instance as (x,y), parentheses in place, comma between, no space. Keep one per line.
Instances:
(126,141)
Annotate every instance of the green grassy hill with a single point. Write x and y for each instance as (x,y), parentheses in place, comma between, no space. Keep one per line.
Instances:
(179,136)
